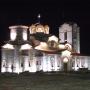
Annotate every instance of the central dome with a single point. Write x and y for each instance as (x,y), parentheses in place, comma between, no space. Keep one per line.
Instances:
(39,28)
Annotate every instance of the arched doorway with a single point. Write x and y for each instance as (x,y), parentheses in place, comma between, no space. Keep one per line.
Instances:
(65,64)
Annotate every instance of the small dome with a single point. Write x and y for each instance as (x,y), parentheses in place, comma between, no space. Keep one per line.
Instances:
(53,38)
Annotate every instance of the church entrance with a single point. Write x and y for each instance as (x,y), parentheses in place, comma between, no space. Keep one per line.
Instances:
(65,64)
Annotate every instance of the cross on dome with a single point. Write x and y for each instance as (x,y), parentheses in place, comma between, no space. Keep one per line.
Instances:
(39,16)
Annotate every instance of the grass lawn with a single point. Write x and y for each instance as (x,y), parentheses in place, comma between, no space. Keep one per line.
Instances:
(45,81)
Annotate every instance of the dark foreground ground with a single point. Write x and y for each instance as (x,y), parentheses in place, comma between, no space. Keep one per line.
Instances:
(45,81)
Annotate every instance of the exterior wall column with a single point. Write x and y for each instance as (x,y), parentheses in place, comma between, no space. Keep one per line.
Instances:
(56,67)
(17,59)
(26,63)
(3,63)
(33,67)
(44,63)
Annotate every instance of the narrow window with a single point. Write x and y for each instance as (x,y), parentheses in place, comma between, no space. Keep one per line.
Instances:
(37,63)
(29,64)
(65,36)
(21,64)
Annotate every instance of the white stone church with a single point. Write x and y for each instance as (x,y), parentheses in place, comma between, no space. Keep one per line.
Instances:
(34,49)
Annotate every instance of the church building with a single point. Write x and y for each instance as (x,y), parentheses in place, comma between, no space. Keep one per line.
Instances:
(33,48)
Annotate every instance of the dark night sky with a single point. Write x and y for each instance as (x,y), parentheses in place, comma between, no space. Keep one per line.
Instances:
(53,12)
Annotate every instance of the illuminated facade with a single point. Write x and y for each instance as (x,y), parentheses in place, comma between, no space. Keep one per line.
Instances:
(34,49)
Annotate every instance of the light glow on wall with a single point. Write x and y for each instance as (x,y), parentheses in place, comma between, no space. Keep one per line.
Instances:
(25,47)
(24,34)
(76,67)
(48,65)
(8,46)
(33,67)
(86,63)
(13,34)
(66,53)
(17,70)
(42,46)
(55,60)
(60,46)
(26,64)
(65,60)
(9,69)
(3,69)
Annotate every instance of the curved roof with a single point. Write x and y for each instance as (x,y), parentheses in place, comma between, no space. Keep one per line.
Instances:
(18,26)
